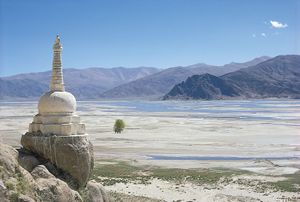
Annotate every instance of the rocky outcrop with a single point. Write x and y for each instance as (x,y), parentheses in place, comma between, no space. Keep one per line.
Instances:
(52,189)
(18,184)
(95,192)
(203,86)
(37,182)
(72,154)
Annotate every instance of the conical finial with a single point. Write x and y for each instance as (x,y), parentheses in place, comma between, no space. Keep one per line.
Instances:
(57,45)
(57,82)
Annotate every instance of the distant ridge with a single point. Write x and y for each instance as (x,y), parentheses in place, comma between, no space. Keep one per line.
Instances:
(83,83)
(119,82)
(158,84)
(277,77)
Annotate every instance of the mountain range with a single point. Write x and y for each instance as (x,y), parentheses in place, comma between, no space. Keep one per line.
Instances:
(277,77)
(260,77)
(83,83)
(158,84)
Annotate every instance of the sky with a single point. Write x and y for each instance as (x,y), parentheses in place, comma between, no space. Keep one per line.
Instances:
(154,33)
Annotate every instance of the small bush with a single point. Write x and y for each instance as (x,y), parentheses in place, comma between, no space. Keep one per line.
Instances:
(119,126)
(10,185)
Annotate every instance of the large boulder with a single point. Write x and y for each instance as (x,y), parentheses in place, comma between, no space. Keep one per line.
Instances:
(72,154)
(96,192)
(51,188)
(17,184)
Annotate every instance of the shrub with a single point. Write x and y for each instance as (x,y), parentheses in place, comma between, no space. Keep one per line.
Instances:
(10,185)
(119,126)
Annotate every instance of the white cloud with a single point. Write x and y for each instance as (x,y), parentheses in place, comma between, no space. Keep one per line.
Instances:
(263,34)
(253,35)
(278,25)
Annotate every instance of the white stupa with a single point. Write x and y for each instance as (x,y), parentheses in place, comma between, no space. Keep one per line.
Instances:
(57,108)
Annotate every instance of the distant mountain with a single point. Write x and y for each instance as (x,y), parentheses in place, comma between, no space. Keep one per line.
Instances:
(205,86)
(278,77)
(83,83)
(158,84)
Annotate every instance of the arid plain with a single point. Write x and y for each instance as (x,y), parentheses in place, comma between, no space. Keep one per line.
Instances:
(188,151)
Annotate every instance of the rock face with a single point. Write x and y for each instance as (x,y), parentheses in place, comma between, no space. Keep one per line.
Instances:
(72,154)
(26,178)
(51,188)
(38,185)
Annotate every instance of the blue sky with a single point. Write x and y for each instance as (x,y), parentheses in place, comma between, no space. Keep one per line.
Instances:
(158,33)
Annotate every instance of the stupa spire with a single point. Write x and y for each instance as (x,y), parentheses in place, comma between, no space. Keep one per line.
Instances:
(57,81)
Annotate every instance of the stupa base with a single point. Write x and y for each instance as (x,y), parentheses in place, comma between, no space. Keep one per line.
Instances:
(72,154)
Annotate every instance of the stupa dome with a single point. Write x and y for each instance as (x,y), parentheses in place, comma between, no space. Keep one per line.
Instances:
(57,102)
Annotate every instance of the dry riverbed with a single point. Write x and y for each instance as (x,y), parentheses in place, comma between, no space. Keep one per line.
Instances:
(200,151)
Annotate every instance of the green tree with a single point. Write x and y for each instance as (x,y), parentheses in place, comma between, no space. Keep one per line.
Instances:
(119,126)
